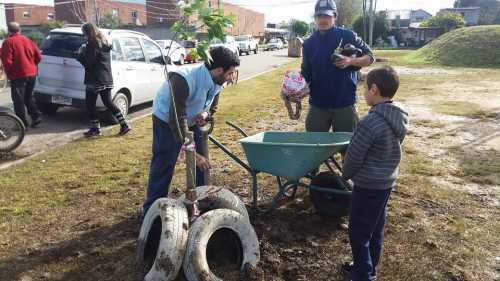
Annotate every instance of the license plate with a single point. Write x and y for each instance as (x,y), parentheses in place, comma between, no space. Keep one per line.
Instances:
(61,100)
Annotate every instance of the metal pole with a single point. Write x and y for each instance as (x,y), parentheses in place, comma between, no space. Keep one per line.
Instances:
(191,195)
(96,13)
(206,174)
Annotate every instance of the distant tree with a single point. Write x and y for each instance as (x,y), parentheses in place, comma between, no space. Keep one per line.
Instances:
(497,18)
(380,27)
(45,28)
(36,37)
(448,21)
(348,11)
(3,33)
(300,28)
(110,21)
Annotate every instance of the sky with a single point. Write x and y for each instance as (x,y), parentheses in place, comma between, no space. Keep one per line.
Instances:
(282,10)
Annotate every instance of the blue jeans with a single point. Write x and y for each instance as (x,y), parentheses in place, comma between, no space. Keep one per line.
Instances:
(366,230)
(165,153)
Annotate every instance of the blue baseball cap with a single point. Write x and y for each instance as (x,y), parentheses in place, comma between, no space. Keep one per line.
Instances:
(325,7)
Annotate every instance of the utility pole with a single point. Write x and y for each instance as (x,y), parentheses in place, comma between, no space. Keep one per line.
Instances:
(365,32)
(96,13)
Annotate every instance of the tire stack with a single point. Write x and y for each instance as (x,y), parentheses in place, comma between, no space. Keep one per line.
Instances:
(167,242)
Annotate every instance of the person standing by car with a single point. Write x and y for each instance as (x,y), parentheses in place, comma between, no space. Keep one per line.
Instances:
(195,92)
(95,57)
(20,57)
(332,86)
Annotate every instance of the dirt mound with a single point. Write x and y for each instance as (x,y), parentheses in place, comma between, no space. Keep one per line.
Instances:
(476,46)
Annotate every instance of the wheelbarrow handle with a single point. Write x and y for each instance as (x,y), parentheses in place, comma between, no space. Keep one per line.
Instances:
(237,128)
(230,153)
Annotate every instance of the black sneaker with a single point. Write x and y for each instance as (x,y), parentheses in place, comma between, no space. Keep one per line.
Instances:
(124,130)
(347,270)
(92,133)
(347,267)
(36,122)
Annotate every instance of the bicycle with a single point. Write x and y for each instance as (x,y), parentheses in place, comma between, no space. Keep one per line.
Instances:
(12,130)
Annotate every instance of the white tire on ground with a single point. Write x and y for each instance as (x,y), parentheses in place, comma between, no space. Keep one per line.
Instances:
(195,265)
(213,197)
(171,239)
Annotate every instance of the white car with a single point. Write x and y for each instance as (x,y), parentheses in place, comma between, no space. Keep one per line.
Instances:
(137,64)
(274,44)
(229,43)
(175,51)
(247,44)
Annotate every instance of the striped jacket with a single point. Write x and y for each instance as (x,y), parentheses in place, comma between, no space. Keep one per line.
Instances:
(373,157)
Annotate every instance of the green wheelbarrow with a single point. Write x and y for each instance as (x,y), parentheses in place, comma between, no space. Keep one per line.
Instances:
(293,157)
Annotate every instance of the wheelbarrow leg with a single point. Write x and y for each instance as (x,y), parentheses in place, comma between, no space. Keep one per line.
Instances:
(254,189)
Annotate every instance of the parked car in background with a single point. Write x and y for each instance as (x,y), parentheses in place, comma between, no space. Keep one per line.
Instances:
(229,43)
(247,44)
(190,46)
(175,51)
(137,64)
(274,44)
(285,43)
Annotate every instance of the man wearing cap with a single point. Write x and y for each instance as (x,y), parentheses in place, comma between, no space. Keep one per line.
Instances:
(332,86)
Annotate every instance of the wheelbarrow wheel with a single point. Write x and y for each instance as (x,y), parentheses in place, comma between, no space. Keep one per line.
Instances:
(329,204)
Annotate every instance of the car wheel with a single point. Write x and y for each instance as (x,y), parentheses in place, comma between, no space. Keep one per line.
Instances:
(122,102)
(47,108)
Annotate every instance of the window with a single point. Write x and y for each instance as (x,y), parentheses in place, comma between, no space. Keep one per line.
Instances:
(26,14)
(132,49)
(153,52)
(116,52)
(50,16)
(62,44)
(114,12)
(134,14)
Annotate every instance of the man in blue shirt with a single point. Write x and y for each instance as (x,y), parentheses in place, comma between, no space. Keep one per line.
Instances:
(332,86)
(195,91)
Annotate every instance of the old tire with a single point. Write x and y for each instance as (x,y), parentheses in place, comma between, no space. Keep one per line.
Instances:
(196,267)
(329,204)
(162,240)
(212,197)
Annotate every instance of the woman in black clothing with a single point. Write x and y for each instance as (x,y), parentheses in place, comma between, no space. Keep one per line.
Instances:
(95,57)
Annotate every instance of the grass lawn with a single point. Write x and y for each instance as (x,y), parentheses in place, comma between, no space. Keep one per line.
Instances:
(71,213)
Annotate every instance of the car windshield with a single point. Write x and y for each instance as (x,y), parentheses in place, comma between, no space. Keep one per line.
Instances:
(62,44)
(273,41)
(242,38)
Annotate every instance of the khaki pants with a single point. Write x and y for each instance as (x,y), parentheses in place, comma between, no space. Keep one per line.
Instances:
(342,119)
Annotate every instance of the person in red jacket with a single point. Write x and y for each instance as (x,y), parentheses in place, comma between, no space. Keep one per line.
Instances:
(20,57)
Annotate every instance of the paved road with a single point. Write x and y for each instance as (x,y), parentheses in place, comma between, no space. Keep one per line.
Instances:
(69,123)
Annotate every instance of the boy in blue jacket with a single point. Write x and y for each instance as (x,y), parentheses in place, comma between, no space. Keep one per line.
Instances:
(372,163)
